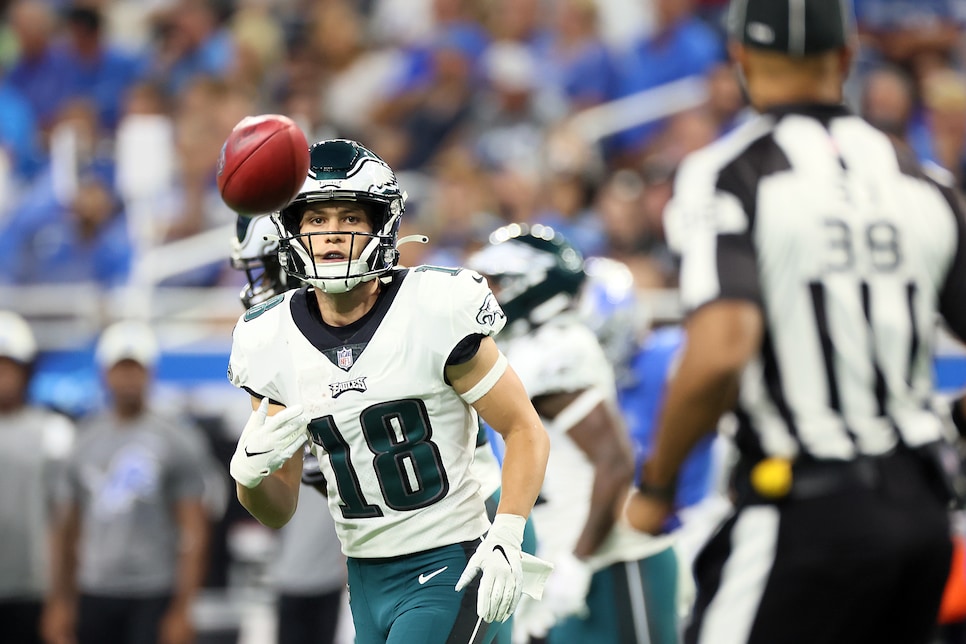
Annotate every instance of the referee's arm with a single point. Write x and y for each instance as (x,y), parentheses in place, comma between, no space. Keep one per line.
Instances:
(722,336)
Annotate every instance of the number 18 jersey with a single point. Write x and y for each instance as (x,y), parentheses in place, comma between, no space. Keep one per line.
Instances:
(395,441)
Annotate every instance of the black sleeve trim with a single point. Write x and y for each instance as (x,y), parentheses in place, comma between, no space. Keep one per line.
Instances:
(465,349)
(738,268)
(255,394)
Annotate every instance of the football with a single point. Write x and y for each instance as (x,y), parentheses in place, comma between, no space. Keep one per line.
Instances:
(263,164)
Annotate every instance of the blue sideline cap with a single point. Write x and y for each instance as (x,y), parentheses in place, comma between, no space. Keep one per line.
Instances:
(793,27)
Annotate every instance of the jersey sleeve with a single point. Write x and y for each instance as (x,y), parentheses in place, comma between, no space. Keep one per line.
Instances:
(250,365)
(708,223)
(458,303)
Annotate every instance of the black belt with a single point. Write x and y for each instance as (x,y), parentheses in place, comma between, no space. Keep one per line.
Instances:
(814,478)
(811,479)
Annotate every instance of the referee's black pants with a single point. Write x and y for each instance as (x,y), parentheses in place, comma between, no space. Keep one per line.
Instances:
(866,563)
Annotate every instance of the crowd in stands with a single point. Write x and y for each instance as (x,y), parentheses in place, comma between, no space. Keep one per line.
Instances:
(112,113)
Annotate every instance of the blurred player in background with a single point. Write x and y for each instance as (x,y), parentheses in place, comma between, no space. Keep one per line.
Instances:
(130,546)
(644,359)
(308,569)
(387,369)
(36,443)
(608,585)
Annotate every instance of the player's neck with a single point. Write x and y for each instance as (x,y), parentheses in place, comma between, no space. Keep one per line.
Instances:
(340,309)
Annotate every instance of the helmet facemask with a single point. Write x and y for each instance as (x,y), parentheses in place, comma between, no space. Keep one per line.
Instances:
(255,251)
(378,256)
(343,171)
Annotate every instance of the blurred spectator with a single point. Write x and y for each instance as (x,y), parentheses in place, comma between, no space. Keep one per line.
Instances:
(920,35)
(206,112)
(450,21)
(620,202)
(683,133)
(431,113)
(191,41)
(458,212)
(520,21)
(682,46)
(259,43)
(85,242)
(19,145)
(39,72)
(940,136)
(572,173)
(888,100)
(130,550)
(36,443)
(725,99)
(95,69)
(352,76)
(578,62)
(513,114)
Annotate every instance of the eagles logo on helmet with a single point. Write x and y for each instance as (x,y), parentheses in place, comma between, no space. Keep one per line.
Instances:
(534,271)
(344,170)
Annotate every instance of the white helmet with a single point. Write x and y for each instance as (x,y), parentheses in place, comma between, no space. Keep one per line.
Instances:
(254,249)
(343,170)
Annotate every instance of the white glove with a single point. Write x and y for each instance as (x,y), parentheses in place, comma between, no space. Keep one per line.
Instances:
(566,590)
(267,442)
(500,561)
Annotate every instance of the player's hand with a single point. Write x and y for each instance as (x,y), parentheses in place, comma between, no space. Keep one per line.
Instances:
(566,590)
(647,513)
(58,623)
(267,442)
(498,558)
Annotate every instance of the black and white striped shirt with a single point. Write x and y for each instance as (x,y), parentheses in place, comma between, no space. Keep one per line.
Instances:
(851,251)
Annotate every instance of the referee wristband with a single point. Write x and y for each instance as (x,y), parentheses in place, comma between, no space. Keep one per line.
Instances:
(663,493)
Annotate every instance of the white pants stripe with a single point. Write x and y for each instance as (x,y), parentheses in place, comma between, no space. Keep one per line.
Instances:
(731,613)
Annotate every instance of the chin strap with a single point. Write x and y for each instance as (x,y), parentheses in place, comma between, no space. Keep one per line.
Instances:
(421,239)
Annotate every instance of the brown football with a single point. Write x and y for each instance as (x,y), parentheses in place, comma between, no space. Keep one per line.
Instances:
(263,164)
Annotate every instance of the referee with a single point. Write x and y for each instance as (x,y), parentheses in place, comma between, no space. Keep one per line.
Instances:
(815,258)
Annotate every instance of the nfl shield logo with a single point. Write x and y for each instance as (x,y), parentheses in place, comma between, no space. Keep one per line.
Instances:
(344,356)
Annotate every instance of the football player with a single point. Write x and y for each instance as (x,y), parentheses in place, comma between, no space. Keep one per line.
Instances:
(599,590)
(644,359)
(384,370)
(254,250)
(308,570)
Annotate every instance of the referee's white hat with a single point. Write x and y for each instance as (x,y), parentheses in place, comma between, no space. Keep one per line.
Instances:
(792,27)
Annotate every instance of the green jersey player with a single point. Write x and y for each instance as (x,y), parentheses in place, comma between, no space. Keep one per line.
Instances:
(384,371)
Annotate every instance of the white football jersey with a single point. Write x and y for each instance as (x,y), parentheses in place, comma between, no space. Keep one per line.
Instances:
(564,356)
(395,441)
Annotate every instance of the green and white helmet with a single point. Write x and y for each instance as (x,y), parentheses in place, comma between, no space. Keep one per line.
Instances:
(535,272)
(343,170)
